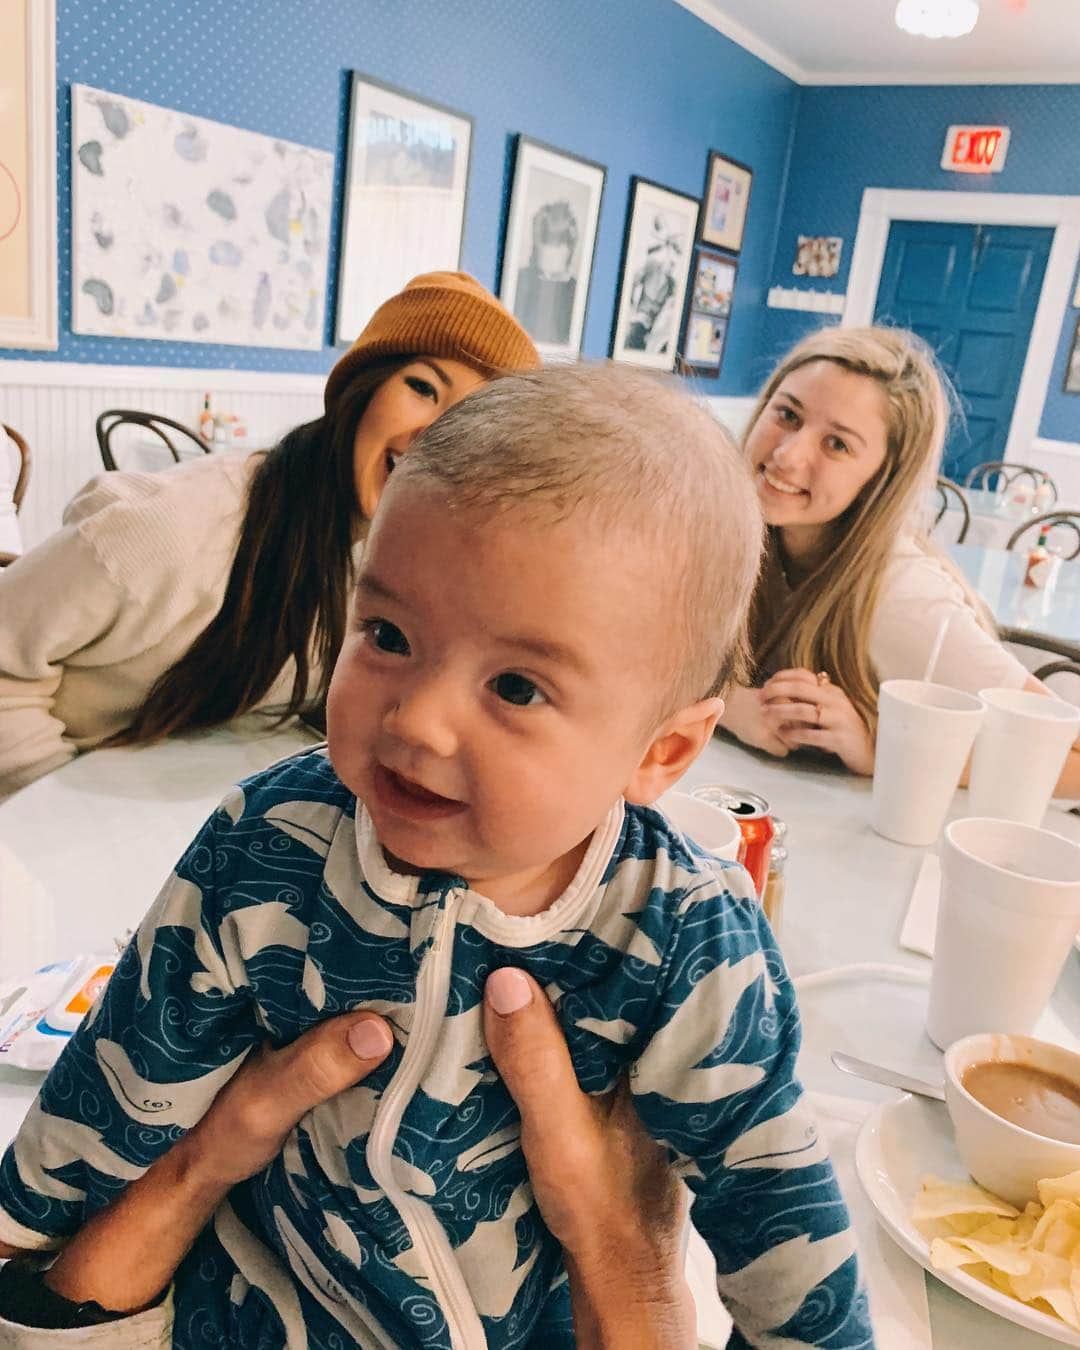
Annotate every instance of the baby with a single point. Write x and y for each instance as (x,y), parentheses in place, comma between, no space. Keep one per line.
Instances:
(551,597)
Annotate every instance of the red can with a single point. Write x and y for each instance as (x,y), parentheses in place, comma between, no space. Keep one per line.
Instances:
(755,825)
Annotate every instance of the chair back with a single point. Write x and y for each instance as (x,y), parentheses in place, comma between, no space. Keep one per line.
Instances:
(25,459)
(950,495)
(170,432)
(1053,520)
(981,475)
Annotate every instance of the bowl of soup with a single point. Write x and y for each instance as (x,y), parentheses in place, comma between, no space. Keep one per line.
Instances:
(1015,1106)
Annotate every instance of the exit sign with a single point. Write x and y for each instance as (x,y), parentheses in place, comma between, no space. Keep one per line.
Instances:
(975,149)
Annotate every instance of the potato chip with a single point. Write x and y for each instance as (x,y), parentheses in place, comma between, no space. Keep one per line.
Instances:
(1032,1256)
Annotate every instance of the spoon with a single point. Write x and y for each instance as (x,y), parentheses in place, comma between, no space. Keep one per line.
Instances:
(878,1073)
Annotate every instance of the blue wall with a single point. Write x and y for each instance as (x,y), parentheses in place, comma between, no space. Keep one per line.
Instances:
(853,138)
(643,88)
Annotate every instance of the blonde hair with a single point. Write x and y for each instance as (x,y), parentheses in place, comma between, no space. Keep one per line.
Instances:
(639,455)
(826,624)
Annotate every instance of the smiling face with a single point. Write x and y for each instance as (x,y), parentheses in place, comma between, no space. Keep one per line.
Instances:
(402,406)
(497,689)
(819,440)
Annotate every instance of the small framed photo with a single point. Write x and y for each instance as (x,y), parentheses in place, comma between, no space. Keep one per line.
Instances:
(817,255)
(657,247)
(1072,368)
(406,180)
(727,196)
(549,244)
(708,310)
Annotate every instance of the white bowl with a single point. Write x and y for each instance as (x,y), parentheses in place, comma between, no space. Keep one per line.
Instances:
(1005,1158)
(709,826)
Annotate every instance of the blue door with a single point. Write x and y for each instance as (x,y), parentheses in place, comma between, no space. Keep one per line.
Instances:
(971,291)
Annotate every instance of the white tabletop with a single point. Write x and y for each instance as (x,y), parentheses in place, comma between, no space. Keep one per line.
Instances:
(101,834)
(994,518)
(998,576)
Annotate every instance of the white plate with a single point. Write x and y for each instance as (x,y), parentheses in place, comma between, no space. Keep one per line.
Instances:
(903,1141)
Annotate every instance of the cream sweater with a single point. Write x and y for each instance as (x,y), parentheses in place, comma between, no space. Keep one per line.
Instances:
(94,615)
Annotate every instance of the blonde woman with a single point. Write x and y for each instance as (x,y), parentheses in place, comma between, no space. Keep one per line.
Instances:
(844,441)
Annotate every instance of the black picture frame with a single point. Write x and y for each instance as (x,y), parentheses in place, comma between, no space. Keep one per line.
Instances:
(709,299)
(377,255)
(657,252)
(559,193)
(725,202)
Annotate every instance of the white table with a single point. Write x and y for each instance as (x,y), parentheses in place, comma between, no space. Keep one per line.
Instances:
(998,576)
(994,518)
(101,834)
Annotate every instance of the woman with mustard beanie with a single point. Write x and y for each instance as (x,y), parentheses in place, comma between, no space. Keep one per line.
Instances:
(182,599)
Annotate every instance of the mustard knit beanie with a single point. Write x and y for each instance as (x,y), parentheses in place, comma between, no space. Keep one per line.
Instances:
(439,314)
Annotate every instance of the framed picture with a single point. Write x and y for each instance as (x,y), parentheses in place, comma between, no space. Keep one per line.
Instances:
(406,181)
(708,309)
(1072,368)
(817,255)
(28,260)
(657,245)
(549,244)
(727,196)
(170,241)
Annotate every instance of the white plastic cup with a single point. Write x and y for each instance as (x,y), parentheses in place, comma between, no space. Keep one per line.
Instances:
(1008,913)
(709,826)
(925,733)
(1019,753)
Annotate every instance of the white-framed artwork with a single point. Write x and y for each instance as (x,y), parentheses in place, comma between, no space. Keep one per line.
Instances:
(657,249)
(406,181)
(550,243)
(190,230)
(28,258)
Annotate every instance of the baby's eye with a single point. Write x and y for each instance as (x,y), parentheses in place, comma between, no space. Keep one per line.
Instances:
(516,689)
(423,387)
(385,636)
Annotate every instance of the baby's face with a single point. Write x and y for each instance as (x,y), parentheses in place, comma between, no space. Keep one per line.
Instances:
(493,696)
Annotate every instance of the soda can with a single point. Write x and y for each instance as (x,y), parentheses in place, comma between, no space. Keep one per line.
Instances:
(755,825)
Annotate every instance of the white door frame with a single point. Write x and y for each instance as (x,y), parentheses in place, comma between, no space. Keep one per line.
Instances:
(881,206)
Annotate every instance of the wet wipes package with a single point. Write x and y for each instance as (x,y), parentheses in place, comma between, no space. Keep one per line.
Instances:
(39,1012)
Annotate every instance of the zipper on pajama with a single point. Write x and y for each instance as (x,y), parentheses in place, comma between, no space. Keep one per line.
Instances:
(427,1234)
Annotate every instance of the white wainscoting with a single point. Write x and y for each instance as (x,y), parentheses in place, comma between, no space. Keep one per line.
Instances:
(733,412)
(54,405)
(1061,460)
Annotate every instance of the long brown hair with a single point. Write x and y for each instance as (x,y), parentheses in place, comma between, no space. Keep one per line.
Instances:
(826,623)
(287,591)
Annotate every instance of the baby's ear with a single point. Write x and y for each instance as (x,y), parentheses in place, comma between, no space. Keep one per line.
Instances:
(677,743)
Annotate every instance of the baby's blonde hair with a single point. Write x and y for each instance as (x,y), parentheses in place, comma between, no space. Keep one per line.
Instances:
(640,456)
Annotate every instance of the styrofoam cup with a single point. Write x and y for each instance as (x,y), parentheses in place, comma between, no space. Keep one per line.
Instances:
(1020,750)
(709,826)
(1008,913)
(924,737)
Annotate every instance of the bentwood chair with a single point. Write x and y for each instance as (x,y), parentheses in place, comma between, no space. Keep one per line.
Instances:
(982,476)
(948,496)
(168,431)
(1051,522)
(22,479)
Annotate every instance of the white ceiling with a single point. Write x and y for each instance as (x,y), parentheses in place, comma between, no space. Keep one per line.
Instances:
(857,42)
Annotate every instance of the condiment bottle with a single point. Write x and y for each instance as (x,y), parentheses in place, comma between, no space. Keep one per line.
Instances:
(773,900)
(206,420)
(1044,496)
(1022,494)
(1039,563)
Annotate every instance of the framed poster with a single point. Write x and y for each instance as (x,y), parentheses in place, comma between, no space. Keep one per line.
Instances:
(406,181)
(1072,366)
(549,244)
(727,196)
(657,245)
(28,260)
(189,230)
(817,255)
(708,310)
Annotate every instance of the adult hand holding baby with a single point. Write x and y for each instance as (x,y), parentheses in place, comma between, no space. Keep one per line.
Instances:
(604,1188)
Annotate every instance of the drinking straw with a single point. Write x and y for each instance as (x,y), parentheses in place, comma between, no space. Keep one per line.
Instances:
(935,650)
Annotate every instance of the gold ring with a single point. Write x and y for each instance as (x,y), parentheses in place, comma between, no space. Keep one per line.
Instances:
(823,677)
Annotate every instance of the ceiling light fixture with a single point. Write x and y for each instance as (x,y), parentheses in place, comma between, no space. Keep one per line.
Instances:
(937,18)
